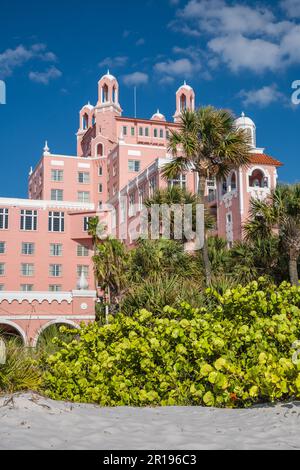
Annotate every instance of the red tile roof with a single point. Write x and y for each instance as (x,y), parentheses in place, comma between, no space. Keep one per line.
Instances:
(262,159)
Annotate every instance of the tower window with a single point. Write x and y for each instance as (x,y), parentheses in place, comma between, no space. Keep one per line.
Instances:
(105,94)
(100,150)
(85,121)
(183,103)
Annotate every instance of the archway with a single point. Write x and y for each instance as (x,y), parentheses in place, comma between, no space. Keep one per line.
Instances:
(51,329)
(10,330)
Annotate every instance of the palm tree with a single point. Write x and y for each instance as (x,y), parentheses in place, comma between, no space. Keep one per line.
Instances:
(95,229)
(279,214)
(111,267)
(208,144)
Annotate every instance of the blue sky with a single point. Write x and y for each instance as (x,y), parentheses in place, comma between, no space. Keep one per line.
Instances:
(236,54)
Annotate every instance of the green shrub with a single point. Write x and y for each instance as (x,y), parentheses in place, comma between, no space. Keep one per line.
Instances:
(21,371)
(236,353)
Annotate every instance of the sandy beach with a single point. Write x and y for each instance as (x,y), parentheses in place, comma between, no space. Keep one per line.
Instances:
(28,421)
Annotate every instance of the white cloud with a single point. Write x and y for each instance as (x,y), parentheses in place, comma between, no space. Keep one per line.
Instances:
(239,53)
(243,37)
(136,78)
(11,59)
(45,77)
(114,62)
(291,7)
(181,67)
(262,97)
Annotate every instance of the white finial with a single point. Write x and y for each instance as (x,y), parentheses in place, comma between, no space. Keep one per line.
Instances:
(184,83)
(108,72)
(46,149)
(82,282)
(30,171)
(243,114)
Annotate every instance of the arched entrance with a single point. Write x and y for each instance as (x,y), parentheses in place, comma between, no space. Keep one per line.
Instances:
(52,327)
(10,330)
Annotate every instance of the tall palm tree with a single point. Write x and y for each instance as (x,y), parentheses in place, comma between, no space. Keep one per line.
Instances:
(111,267)
(208,144)
(95,229)
(279,214)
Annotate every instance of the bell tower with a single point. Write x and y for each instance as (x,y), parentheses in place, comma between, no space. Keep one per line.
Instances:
(185,99)
(108,94)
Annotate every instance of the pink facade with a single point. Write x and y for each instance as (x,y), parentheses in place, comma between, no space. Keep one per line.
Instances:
(45,248)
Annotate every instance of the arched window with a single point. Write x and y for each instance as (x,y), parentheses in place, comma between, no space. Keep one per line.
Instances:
(105,94)
(233,182)
(257,179)
(183,103)
(100,150)
(85,121)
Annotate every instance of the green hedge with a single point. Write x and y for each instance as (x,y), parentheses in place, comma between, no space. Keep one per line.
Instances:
(235,353)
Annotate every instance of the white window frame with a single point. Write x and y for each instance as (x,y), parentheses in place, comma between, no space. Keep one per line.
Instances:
(53,217)
(25,216)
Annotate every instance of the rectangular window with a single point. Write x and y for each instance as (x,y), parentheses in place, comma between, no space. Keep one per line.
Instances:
(86,222)
(147,131)
(155,133)
(124,130)
(83,269)
(55,249)
(132,131)
(56,222)
(161,133)
(179,181)
(57,195)
(55,270)
(26,287)
(134,166)
(1,287)
(3,219)
(54,288)
(28,220)
(83,196)
(27,248)
(100,188)
(27,269)
(141,132)
(2,248)
(82,250)
(83,177)
(2,269)
(57,175)
(100,171)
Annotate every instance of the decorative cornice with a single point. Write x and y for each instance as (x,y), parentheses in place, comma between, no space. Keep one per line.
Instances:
(41,297)
(41,204)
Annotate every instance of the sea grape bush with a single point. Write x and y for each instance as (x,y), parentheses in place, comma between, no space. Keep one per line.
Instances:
(234,353)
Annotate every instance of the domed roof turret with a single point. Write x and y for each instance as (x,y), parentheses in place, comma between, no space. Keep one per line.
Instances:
(88,106)
(158,117)
(244,121)
(185,87)
(108,76)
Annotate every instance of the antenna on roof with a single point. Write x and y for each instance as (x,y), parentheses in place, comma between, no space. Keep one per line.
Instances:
(135,102)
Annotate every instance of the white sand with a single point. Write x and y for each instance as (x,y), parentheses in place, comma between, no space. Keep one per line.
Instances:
(28,421)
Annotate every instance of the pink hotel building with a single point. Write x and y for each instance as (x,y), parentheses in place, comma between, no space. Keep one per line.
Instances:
(46,270)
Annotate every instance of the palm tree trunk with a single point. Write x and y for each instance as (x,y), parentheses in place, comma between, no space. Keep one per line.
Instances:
(205,257)
(293,269)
